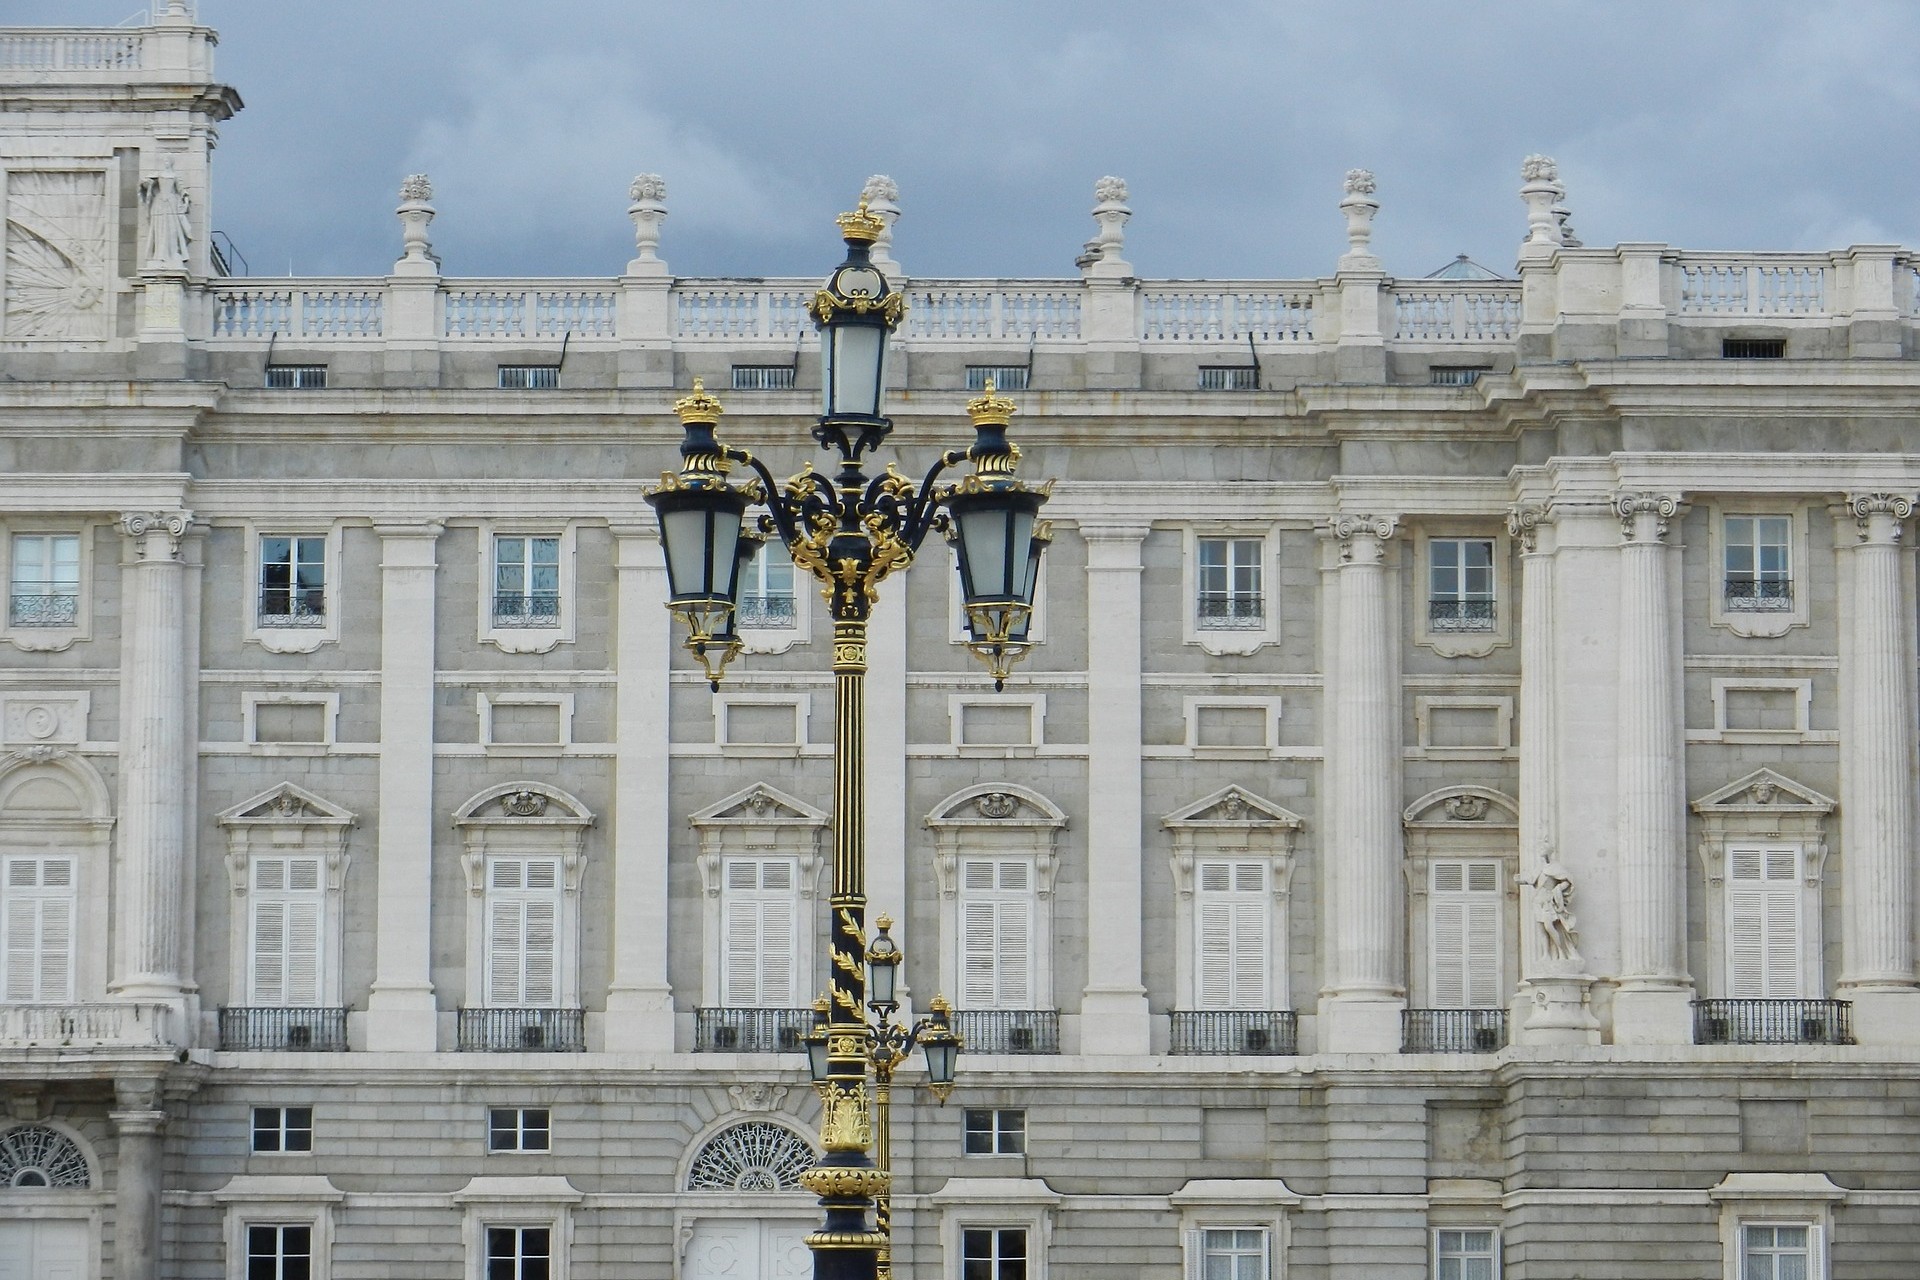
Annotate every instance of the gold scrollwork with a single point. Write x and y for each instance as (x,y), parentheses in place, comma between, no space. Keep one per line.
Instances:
(852,926)
(845,1124)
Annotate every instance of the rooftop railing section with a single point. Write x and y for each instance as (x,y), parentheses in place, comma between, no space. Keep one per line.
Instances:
(52,49)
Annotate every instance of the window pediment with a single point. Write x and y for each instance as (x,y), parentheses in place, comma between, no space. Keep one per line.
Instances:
(1232,807)
(1463,809)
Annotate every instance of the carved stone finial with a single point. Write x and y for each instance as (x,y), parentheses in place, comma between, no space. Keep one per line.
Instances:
(415,212)
(1360,182)
(881,195)
(1541,193)
(646,205)
(417,186)
(1359,206)
(647,186)
(1539,168)
(880,189)
(1110,212)
(1110,190)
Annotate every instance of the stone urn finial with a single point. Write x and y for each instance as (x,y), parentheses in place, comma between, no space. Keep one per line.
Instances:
(1541,190)
(882,197)
(416,211)
(1360,207)
(647,206)
(1110,214)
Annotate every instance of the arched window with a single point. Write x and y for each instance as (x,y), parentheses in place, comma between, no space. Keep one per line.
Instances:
(756,1155)
(34,1156)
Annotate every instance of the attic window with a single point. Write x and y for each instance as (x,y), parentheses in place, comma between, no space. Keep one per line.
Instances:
(529,377)
(1006,377)
(296,377)
(1229,378)
(1457,375)
(763,377)
(1753,348)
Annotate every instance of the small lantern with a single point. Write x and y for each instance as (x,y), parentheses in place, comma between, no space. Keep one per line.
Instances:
(883,969)
(994,524)
(815,1040)
(702,535)
(856,312)
(942,1048)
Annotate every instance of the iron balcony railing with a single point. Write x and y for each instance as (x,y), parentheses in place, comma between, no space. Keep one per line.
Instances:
(1221,612)
(775,612)
(1449,613)
(541,609)
(1266,1031)
(43,608)
(750,1030)
(1772,1022)
(522,1031)
(1008,1030)
(278,610)
(1453,1030)
(1759,595)
(263,1029)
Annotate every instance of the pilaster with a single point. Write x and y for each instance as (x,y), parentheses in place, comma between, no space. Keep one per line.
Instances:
(138,1125)
(1113,1008)
(151,871)
(1361,1006)
(1653,1004)
(401,1013)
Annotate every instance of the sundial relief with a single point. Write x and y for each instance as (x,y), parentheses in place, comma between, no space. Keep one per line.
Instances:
(56,255)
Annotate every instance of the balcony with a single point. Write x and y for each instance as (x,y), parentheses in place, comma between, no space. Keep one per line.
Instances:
(1772,1022)
(540,609)
(261,1029)
(1452,613)
(523,1031)
(43,608)
(772,611)
(1008,1030)
(83,1026)
(1273,1032)
(1220,612)
(1758,595)
(1453,1030)
(750,1030)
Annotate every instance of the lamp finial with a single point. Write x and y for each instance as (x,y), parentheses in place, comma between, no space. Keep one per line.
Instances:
(698,407)
(990,410)
(861,227)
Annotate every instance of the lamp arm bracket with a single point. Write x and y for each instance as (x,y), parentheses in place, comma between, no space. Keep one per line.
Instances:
(922,512)
(776,507)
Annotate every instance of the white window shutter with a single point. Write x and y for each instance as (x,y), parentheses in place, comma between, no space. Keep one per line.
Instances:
(1483,954)
(1765,956)
(1196,1261)
(22,923)
(759,913)
(269,951)
(979,971)
(1231,920)
(542,943)
(1250,955)
(504,950)
(1015,986)
(288,908)
(303,954)
(776,953)
(1464,913)
(740,965)
(1214,987)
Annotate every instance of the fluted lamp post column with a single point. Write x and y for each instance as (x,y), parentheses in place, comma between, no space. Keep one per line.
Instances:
(850,531)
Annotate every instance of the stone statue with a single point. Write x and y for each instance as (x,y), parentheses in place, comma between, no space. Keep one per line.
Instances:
(168,207)
(1553,910)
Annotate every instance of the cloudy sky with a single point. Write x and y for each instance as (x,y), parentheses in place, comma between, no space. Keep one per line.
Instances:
(1775,124)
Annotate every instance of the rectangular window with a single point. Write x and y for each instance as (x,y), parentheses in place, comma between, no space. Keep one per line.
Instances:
(523,920)
(293,581)
(519,1253)
(1777,1253)
(36,930)
(1459,375)
(763,377)
(1759,563)
(1763,923)
(45,591)
(529,377)
(1231,377)
(1466,1255)
(279,1252)
(526,582)
(283,1129)
(1006,377)
(289,902)
(994,1131)
(296,377)
(519,1129)
(1753,348)
(1464,905)
(1230,1253)
(759,914)
(1460,584)
(766,598)
(993,1253)
(996,934)
(1232,913)
(1230,587)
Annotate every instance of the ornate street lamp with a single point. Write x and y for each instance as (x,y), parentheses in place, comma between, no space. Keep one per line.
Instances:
(850,531)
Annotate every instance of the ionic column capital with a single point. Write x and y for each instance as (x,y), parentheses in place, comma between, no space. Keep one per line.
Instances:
(1361,537)
(1879,516)
(147,528)
(1523,524)
(1644,517)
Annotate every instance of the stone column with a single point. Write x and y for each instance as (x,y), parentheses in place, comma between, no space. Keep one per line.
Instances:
(1877,777)
(401,1014)
(639,998)
(1366,991)
(151,871)
(1113,1008)
(1652,1004)
(138,1123)
(1551,1006)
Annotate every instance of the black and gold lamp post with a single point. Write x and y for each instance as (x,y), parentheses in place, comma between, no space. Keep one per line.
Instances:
(850,531)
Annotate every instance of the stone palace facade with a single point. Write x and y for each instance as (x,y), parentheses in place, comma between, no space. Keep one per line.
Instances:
(1458,819)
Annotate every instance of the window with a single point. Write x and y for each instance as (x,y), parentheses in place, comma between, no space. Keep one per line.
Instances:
(46,580)
(1763,922)
(519,1129)
(526,582)
(296,377)
(283,1129)
(996,933)
(1753,348)
(991,1131)
(1465,1255)
(1230,596)
(1460,584)
(1232,913)
(993,1253)
(289,906)
(37,930)
(519,1253)
(1006,377)
(1464,910)
(1758,552)
(763,377)
(293,581)
(759,912)
(1772,1252)
(1230,1253)
(1456,375)
(529,377)
(523,915)
(279,1252)
(1229,378)
(766,600)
